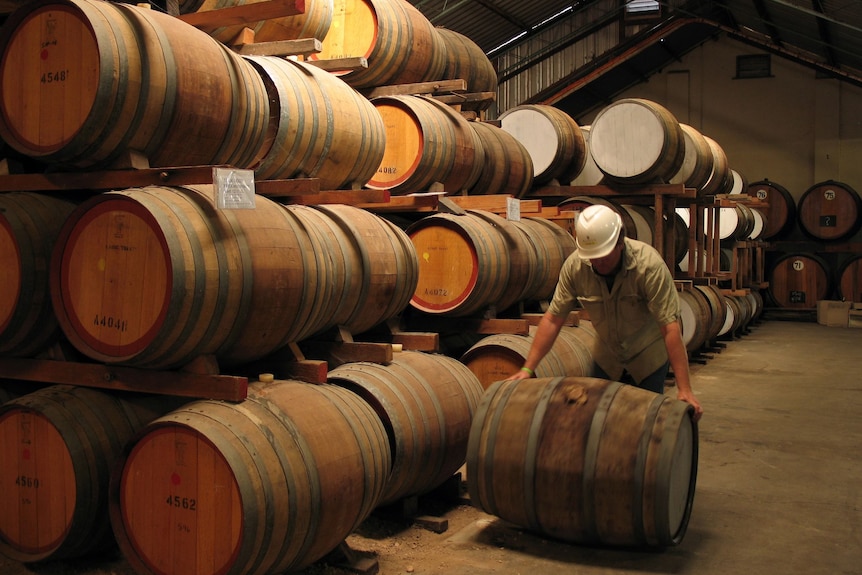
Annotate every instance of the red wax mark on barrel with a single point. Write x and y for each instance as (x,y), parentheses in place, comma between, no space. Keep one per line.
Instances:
(44,54)
(26,454)
(175,478)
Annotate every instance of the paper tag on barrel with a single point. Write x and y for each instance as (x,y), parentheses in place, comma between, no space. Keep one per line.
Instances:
(234,188)
(513,209)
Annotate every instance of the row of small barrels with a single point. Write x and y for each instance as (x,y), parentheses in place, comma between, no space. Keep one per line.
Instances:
(797,280)
(826,211)
(269,484)
(156,276)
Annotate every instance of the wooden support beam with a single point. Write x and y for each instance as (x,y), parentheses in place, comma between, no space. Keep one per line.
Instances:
(435,87)
(301,47)
(340,64)
(175,383)
(243,14)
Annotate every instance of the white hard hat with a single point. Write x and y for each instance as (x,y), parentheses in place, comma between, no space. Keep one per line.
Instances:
(596,231)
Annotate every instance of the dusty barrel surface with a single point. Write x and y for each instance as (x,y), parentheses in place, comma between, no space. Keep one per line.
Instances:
(498,356)
(698,160)
(29,226)
(552,138)
(325,129)
(628,477)
(82,82)
(466,60)
(830,211)
(57,448)
(426,402)
(266,485)
(637,141)
(380,268)
(507,169)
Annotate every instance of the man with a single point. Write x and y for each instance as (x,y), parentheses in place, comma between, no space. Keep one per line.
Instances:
(629,293)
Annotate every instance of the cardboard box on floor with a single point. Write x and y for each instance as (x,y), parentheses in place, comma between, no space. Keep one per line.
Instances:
(833,313)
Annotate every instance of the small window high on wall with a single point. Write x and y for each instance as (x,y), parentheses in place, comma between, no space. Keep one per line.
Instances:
(753,66)
(642,9)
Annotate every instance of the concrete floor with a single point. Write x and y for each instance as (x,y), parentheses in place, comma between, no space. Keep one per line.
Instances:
(778,486)
(779,475)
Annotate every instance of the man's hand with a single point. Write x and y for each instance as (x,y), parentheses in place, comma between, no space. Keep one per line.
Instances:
(688,397)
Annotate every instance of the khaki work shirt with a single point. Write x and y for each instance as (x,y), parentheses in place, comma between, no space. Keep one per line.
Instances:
(627,318)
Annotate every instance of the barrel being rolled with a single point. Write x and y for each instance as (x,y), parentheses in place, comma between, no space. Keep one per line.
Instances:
(426,402)
(267,485)
(585,460)
(29,226)
(83,82)
(58,446)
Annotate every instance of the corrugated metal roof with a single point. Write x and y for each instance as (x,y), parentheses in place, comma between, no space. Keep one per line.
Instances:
(827,33)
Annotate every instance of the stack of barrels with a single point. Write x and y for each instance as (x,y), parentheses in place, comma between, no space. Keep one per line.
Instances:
(269,484)
(814,267)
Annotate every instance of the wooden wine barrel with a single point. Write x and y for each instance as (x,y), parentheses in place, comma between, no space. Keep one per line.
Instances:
(695,318)
(179,278)
(553,245)
(426,403)
(717,309)
(850,279)
(830,211)
(590,175)
(507,169)
(121,78)
(799,280)
(628,477)
(325,129)
(552,138)
(524,279)
(781,211)
(721,179)
(380,278)
(698,160)
(426,142)
(637,141)
(498,356)
(29,226)
(463,264)
(314,22)
(740,183)
(643,218)
(57,448)
(263,486)
(399,43)
(466,60)
(736,223)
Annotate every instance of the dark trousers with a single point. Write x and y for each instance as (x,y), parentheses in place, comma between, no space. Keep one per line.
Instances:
(653,382)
